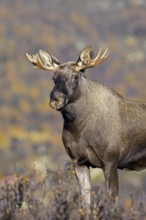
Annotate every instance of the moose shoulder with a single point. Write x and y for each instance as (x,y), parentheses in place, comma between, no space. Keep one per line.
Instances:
(101,128)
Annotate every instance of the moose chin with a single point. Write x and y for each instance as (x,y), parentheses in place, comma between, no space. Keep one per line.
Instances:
(101,128)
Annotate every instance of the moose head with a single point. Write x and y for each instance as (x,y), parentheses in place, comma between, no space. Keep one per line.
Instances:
(67,75)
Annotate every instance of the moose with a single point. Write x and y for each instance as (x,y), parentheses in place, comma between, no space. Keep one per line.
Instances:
(102,129)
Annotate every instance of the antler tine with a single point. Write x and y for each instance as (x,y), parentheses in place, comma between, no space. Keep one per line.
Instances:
(36,61)
(105,54)
(98,55)
(31,58)
(100,58)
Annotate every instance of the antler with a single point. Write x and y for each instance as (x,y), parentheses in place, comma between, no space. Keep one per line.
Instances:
(86,61)
(43,60)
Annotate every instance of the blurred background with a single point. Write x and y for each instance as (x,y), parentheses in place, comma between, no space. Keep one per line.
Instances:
(30,131)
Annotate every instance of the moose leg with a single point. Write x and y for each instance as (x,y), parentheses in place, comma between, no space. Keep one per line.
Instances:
(83,177)
(111,179)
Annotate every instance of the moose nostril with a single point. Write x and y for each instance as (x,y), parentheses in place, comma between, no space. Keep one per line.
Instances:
(55,99)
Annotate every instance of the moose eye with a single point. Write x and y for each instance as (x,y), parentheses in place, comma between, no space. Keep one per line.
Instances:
(76,77)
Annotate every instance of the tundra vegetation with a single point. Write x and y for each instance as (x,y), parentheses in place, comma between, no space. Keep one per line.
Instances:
(56,197)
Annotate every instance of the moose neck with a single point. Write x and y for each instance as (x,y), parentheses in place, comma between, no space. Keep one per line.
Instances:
(76,111)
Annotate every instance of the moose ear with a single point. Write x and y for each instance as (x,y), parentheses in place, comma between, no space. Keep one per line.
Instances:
(85,56)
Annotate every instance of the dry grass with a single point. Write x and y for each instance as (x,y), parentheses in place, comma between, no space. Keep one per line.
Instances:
(57,197)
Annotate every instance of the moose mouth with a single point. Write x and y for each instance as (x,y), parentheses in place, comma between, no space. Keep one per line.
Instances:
(58,105)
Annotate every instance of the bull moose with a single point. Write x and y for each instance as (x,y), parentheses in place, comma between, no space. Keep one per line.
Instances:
(101,128)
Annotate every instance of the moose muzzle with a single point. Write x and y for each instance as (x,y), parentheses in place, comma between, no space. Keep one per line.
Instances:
(57,103)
